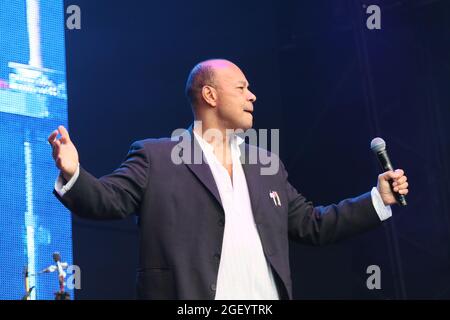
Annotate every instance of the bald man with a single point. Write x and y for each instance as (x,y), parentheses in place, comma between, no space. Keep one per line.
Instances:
(218,228)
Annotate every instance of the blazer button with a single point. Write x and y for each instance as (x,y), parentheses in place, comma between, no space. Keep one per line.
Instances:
(217,257)
(213,287)
(221,222)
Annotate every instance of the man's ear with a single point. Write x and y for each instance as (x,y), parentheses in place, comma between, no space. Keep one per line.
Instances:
(209,94)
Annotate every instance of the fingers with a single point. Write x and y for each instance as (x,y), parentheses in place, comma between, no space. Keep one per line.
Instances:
(388,175)
(399,181)
(55,148)
(393,175)
(55,142)
(52,137)
(399,172)
(401,187)
(64,134)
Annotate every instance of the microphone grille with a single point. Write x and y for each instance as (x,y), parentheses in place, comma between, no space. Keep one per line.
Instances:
(377,145)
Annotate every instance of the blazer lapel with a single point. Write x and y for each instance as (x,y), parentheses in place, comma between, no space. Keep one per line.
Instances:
(252,174)
(200,170)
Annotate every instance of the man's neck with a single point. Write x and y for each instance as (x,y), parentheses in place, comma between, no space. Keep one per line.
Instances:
(217,137)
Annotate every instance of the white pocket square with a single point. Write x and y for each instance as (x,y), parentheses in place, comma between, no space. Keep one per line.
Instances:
(275,198)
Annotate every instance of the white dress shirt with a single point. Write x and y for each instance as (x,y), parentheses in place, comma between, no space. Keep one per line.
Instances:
(244,272)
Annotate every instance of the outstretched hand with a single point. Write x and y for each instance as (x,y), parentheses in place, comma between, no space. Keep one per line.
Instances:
(64,152)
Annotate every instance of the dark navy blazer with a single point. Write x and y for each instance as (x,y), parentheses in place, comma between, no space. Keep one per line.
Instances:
(181,219)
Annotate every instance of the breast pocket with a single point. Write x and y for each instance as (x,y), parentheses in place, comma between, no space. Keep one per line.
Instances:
(276,208)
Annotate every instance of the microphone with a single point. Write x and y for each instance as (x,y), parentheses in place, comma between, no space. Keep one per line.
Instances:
(378,147)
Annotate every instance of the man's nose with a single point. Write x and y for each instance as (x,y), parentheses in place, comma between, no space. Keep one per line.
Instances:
(251,97)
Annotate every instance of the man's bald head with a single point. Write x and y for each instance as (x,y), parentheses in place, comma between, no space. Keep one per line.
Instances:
(203,74)
(219,95)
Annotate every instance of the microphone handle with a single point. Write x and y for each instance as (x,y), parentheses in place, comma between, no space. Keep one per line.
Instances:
(386,164)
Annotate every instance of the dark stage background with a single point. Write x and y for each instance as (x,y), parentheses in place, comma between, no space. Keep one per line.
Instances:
(308,62)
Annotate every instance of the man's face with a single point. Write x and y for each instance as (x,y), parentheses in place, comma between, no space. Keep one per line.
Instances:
(234,99)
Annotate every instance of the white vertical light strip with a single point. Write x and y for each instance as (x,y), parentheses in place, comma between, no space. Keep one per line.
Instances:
(30,219)
(34,33)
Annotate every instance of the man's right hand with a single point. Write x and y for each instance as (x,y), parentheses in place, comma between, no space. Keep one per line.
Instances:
(64,152)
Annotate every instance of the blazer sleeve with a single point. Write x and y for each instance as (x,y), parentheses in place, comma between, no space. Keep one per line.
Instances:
(113,196)
(322,225)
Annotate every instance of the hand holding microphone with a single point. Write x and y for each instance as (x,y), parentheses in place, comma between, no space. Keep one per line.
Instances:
(392,185)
